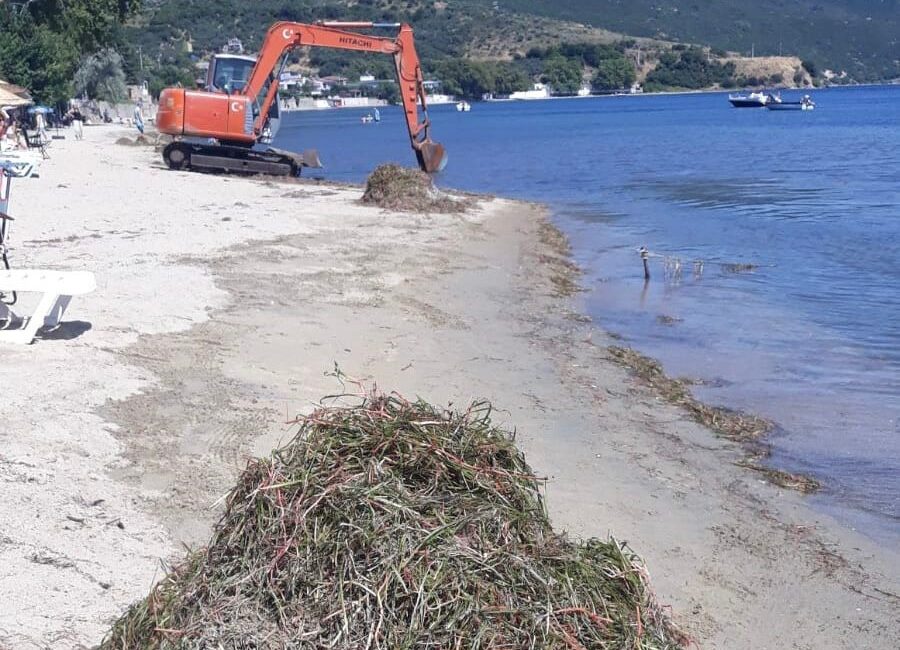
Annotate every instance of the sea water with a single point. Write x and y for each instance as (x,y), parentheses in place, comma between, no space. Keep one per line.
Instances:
(775,242)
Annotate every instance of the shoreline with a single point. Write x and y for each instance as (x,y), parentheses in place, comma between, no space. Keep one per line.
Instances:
(662,93)
(748,429)
(155,408)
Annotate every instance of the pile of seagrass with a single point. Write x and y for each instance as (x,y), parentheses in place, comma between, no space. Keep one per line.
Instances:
(390,525)
(140,140)
(394,187)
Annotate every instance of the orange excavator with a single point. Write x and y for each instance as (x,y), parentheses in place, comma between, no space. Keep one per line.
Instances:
(222,126)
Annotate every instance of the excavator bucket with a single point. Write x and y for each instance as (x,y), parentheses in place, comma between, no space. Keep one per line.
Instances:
(431,156)
(310,158)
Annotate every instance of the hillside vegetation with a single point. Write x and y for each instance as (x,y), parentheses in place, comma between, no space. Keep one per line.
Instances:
(861,37)
(42,42)
(472,49)
(472,46)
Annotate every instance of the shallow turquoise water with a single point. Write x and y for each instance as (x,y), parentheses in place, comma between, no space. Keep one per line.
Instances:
(809,338)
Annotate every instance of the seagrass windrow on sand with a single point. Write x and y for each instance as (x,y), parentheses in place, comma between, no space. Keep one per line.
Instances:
(405,189)
(392,524)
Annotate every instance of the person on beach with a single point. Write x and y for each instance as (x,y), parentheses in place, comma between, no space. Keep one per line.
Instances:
(78,123)
(139,117)
(10,133)
(40,125)
(4,127)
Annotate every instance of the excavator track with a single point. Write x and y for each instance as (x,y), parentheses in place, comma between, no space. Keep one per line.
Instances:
(242,160)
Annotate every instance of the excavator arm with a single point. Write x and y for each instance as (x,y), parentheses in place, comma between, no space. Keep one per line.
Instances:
(284,36)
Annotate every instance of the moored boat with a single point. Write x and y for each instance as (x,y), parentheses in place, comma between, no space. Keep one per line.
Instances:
(753,100)
(805,104)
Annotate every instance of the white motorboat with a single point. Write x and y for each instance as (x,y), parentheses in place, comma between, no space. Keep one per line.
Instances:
(753,100)
(805,104)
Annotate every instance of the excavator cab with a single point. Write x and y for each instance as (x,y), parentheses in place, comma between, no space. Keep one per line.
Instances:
(230,73)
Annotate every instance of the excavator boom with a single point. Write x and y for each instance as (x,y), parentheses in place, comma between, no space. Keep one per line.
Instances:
(238,117)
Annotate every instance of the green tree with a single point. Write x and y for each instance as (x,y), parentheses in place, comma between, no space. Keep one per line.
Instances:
(101,76)
(470,79)
(388,92)
(562,74)
(41,45)
(689,68)
(33,56)
(89,24)
(168,75)
(509,79)
(613,74)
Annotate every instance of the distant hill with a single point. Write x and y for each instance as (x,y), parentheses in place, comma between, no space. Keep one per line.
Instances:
(861,37)
(456,28)
(498,46)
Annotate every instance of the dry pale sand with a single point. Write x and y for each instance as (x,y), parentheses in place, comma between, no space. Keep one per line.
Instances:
(221,305)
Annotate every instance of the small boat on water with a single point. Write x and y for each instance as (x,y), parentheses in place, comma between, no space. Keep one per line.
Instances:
(463,106)
(753,100)
(368,119)
(805,104)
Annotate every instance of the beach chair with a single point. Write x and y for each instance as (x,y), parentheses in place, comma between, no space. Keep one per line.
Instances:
(5,219)
(19,163)
(35,140)
(18,166)
(4,215)
(4,189)
(57,289)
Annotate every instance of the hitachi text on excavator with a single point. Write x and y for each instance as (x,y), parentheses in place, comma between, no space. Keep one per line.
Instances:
(222,127)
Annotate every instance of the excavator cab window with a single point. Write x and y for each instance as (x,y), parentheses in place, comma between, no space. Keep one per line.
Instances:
(263,91)
(229,74)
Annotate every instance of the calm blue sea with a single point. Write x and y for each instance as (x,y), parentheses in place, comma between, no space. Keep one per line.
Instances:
(810,338)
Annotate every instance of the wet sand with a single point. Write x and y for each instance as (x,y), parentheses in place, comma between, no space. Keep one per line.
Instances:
(223,304)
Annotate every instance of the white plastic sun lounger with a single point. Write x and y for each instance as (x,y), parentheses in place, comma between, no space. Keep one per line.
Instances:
(57,289)
(22,164)
(20,168)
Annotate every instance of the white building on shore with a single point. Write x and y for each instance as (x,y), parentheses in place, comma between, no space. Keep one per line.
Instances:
(538,91)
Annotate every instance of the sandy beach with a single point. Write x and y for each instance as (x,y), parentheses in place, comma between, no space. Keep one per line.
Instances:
(223,305)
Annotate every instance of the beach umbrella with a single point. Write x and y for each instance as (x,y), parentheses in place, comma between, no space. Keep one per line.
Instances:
(10,99)
(39,109)
(14,89)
